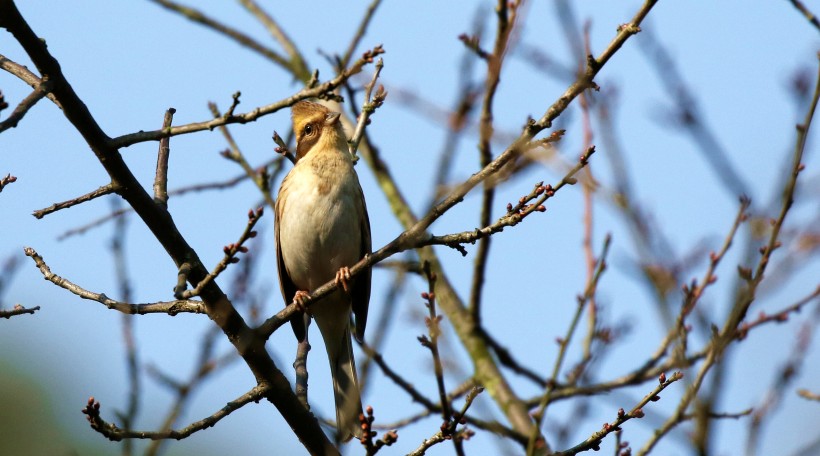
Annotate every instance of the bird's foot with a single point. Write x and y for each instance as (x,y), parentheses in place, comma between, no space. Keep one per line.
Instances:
(300,299)
(342,276)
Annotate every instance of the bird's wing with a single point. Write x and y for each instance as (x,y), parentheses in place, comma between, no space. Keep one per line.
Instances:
(286,285)
(361,287)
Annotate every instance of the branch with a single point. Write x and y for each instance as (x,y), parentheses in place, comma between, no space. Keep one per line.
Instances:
(41,90)
(106,189)
(390,437)
(369,106)
(220,185)
(171,307)
(534,444)
(9,179)
(806,13)
(319,91)
(507,15)
(161,176)
(360,31)
(159,221)
(18,310)
(241,38)
(116,434)
(25,75)
(593,442)
(231,251)
(533,202)
(259,177)
(447,434)
(433,323)
(296,65)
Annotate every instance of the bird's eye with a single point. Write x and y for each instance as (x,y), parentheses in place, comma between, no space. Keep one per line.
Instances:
(308,130)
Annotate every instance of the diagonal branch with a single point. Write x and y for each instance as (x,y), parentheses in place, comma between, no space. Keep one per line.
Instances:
(106,189)
(297,64)
(41,90)
(114,433)
(171,307)
(241,38)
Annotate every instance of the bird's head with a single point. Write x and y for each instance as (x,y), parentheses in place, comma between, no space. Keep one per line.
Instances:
(315,125)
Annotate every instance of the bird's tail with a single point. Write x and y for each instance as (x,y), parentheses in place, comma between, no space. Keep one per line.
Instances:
(346,390)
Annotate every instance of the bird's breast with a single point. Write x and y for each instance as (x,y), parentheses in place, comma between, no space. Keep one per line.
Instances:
(320,221)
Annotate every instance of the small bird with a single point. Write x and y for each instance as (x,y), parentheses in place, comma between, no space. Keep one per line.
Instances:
(322,229)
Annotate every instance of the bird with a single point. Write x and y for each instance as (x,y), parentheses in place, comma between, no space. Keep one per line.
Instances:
(322,228)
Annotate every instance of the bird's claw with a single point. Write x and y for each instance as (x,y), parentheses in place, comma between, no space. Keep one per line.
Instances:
(342,276)
(300,299)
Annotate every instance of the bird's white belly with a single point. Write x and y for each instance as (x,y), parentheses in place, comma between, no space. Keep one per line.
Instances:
(319,233)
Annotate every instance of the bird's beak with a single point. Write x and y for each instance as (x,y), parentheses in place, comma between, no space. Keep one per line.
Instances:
(332,118)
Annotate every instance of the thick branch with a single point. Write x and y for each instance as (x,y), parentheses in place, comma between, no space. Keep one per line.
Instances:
(159,221)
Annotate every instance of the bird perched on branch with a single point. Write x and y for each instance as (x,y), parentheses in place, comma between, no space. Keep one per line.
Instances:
(322,229)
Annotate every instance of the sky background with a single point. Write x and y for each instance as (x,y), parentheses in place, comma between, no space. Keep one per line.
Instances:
(130,61)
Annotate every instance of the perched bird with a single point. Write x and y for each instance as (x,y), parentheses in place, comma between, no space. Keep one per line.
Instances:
(322,229)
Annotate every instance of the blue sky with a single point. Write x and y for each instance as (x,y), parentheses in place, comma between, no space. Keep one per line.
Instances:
(130,61)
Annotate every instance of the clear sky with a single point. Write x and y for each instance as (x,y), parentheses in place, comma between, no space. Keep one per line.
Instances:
(130,61)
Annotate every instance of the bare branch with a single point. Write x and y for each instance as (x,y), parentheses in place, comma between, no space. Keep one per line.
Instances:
(319,91)
(297,64)
(102,191)
(369,106)
(171,307)
(231,251)
(114,433)
(161,177)
(18,310)
(201,18)
(593,442)
(41,90)
(811,17)
(9,179)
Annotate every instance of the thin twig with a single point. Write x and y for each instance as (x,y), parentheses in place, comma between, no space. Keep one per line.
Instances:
(319,91)
(9,179)
(360,31)
(220,185)
(532,202)
(231,251)
(102,191)
(134,388)
(114,433)
(24,74)
(161,177)
(171,307)
(41,90)
(593,442)
(446,434)
(433,322)
(259,177)
(369,106)
(506,20)
(18,310)
(535,444)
